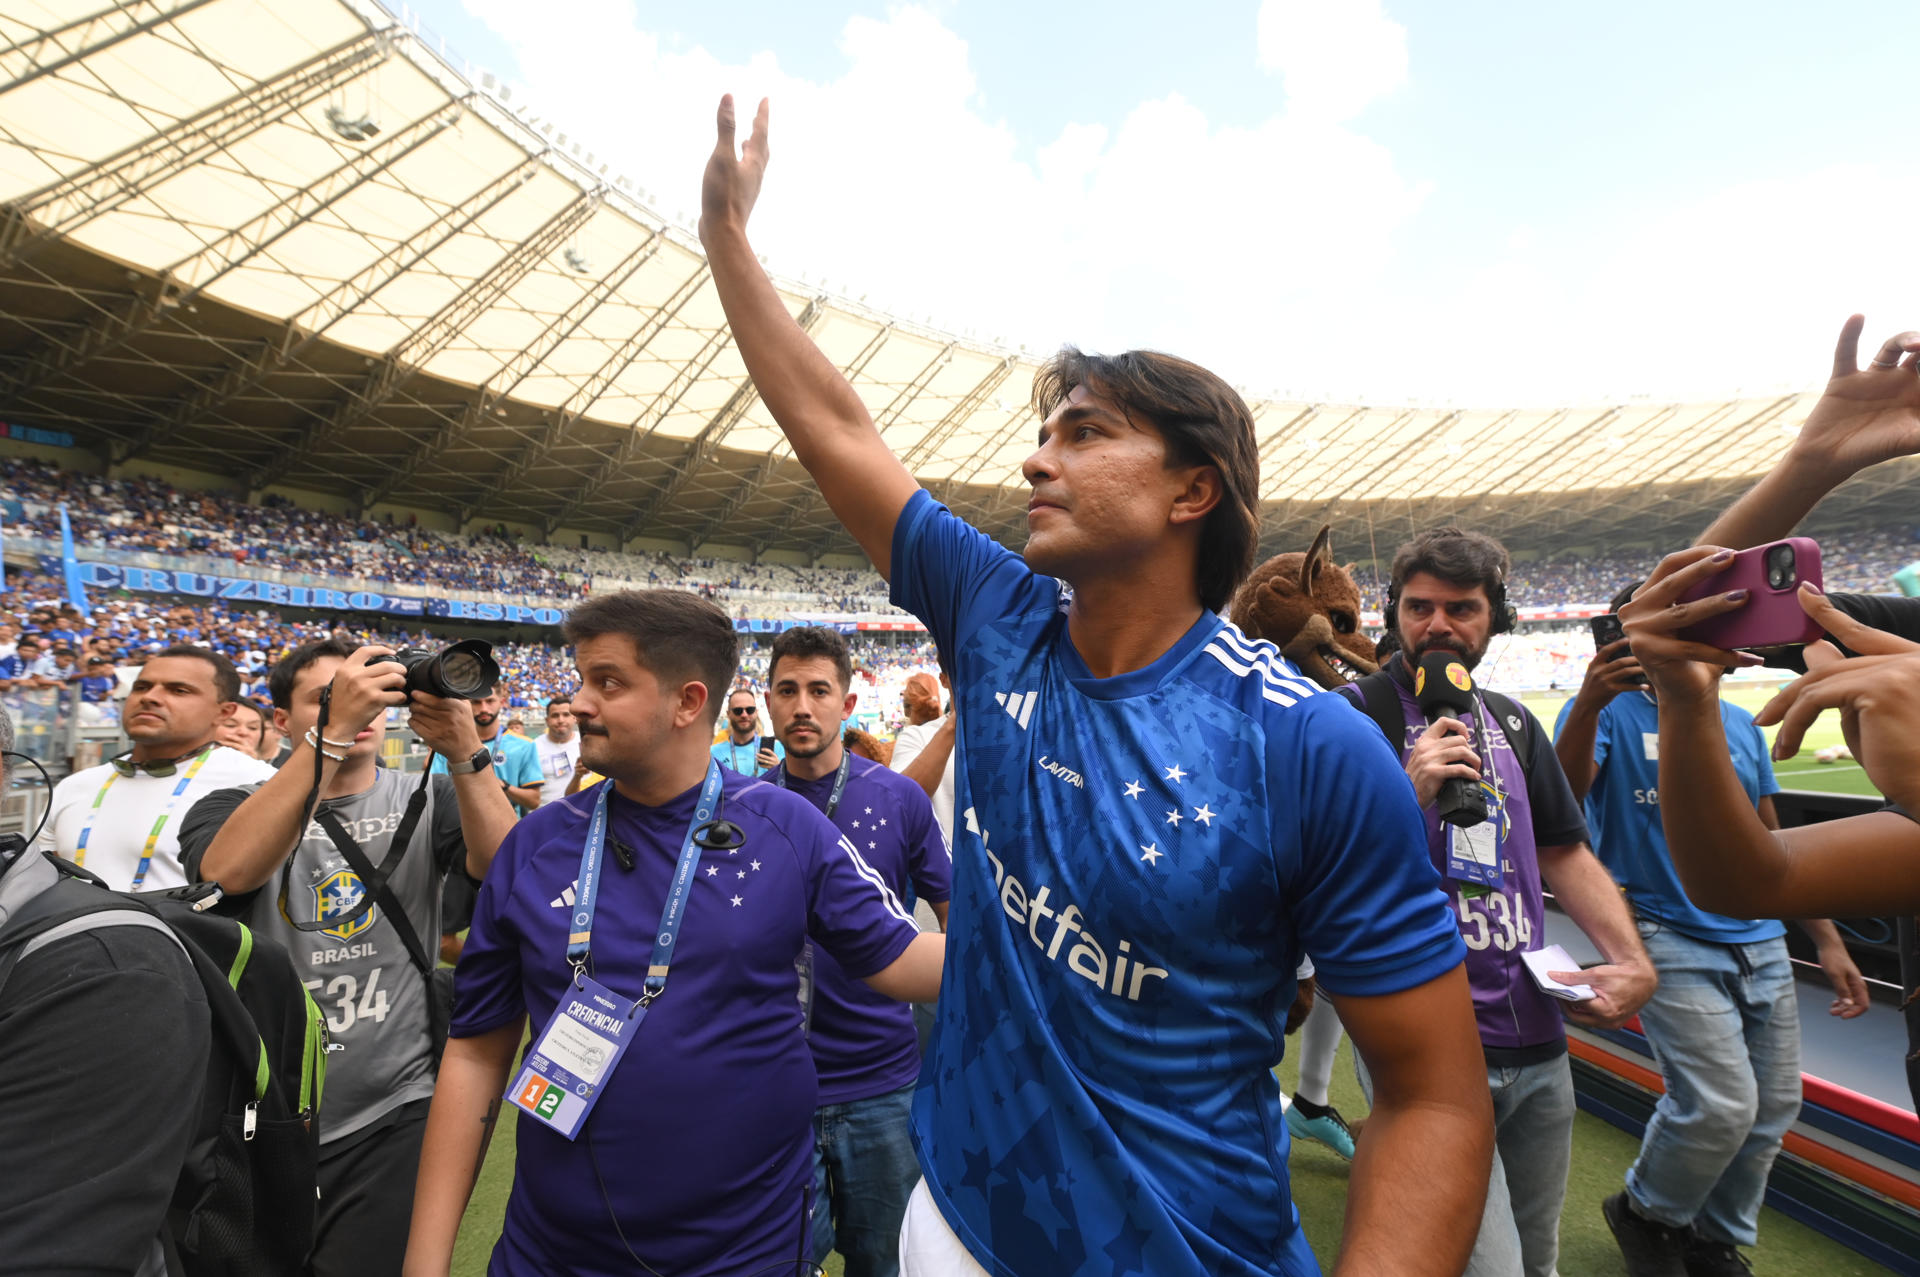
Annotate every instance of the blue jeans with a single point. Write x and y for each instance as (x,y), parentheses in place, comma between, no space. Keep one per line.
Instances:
(1725,1028)
(1533,1145)
(863,1172)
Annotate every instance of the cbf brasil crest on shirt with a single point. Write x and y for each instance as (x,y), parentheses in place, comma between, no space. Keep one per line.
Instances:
(339,894)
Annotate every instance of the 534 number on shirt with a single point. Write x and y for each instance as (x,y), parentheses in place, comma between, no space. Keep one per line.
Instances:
(1497,919)
(350,1002)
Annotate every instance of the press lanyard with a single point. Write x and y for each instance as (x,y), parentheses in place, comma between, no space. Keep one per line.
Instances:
(839,781)
(733,755)
(580,940)
(153,838)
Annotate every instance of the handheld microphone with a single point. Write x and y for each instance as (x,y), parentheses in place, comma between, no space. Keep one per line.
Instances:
(1442,686)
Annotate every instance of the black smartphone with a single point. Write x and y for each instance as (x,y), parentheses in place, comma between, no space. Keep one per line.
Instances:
(766,742)
(1607,630)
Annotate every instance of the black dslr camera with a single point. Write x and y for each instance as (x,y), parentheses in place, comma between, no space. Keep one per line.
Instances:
(461,671)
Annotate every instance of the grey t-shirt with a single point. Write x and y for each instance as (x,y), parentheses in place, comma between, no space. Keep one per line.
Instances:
(372,995)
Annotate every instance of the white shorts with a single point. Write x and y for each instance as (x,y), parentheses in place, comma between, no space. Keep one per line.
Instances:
(928,1247)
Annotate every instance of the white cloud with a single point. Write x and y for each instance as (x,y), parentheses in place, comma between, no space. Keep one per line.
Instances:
(1269,252)
(892,181)
(1335,56)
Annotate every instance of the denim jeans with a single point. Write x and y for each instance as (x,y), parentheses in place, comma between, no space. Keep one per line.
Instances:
(1533,1145)
(863,1172)
(1725,1028)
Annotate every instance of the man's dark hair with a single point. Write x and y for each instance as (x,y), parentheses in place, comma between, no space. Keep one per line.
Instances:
(226,679)
(559,700)
(1456,556)
(804,643)
(1203,420)
(280,680)
(679,637)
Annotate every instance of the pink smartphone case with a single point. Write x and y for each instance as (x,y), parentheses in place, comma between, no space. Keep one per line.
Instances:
(1771,618)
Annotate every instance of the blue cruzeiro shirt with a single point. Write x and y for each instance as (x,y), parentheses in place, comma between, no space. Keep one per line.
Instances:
(1139,864)
(1623,810)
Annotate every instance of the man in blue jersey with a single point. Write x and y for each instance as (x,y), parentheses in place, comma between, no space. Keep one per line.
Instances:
(1447,593)
(864,1045)
(1156,818)
(516,762)
(740,749)
(1725,1022)
(697,1155)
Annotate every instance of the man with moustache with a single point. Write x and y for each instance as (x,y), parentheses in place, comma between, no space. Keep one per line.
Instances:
(516,762)
(679,893)
(122,819)
(1447,593)
(864,1045)
(558,750)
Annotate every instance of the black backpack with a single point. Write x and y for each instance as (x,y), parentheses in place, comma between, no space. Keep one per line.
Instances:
(246,1198)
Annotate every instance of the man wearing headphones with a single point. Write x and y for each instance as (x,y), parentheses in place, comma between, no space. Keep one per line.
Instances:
(1447,592)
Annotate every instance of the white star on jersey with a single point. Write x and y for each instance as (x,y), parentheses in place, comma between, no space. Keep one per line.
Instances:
(1133,789)
(1175,775)
(712,872)
(1173,818)
(1151,853)
(756,866)
(1204,814)
(737,902)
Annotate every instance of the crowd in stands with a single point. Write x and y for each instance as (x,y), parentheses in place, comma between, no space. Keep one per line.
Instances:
(1854,562)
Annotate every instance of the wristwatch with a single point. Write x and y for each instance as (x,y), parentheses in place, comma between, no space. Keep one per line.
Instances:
(482,757)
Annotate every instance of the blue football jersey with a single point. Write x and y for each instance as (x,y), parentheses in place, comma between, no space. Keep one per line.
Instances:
(1139,864)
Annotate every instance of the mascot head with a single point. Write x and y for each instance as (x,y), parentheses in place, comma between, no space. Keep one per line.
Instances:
(1310,609)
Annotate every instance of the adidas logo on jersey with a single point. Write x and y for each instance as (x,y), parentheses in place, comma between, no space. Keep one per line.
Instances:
(1019,705)
(566,898)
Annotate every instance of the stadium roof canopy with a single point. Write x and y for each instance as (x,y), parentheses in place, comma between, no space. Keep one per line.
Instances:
(285,240)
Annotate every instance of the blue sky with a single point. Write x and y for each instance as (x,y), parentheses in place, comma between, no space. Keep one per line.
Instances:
(1384,199)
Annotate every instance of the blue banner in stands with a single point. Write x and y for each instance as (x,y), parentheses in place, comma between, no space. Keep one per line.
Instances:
(76,587)
(240,589)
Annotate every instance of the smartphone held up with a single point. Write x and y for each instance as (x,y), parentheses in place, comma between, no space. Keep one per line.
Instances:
(1772,617)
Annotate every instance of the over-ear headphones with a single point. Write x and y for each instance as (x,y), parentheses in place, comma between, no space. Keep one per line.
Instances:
(1506,617)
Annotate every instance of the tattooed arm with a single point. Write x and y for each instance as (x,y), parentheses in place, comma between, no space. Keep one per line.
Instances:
(466,1105)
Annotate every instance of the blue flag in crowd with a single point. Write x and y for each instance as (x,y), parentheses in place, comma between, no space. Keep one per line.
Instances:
(76,591)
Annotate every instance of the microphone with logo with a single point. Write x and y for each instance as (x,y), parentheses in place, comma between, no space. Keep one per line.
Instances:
(1443,687)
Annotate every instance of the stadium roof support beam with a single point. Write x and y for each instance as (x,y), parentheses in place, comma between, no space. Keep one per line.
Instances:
(931,442)
(501,386)
(434,336)
(342,299)
(57,208)
(701,447)
(113,328)
(895,409)
(610,371)
(22,62)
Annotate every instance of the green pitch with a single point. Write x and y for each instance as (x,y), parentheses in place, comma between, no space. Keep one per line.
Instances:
(1798,772)
(1601,1155)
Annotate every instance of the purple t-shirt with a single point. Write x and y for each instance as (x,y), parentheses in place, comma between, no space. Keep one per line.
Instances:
(1534,810)
(704,1134)
(864,1044)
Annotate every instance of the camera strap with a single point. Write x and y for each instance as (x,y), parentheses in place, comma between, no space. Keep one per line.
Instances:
(372,881)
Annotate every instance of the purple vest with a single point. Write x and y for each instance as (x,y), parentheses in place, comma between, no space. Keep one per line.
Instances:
(1501,925)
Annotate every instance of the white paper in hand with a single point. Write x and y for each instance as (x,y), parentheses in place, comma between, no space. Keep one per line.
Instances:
(1556,958)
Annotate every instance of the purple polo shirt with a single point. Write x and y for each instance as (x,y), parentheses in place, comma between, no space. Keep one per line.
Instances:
(704,1134)
(1534,811)
(864,1044)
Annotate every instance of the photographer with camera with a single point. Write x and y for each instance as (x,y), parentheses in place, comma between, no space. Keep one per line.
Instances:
(516,760)
(306,882)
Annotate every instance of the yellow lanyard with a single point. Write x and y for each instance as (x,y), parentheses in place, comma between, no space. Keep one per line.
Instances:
(153,838)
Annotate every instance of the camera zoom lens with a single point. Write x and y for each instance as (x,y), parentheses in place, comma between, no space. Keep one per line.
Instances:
(461,671)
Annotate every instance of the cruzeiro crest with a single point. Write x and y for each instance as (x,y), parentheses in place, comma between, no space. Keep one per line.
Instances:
(339,894)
